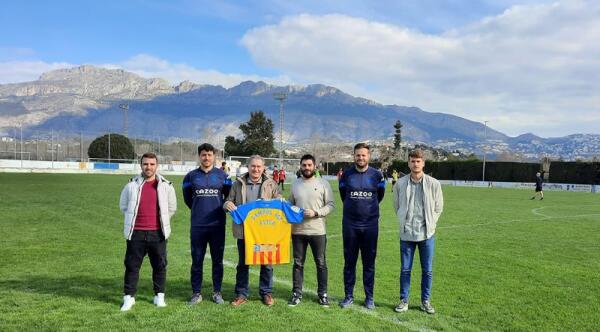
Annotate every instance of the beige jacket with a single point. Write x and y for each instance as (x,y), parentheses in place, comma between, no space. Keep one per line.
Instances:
(268,190)
(433,203)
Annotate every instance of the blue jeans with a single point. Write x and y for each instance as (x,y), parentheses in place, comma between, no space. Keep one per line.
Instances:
(265,285)
(407,253)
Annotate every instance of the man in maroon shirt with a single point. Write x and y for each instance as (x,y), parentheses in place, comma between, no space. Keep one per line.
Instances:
(148,201)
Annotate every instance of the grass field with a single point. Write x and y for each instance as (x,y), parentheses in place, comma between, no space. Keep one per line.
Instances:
(502,262)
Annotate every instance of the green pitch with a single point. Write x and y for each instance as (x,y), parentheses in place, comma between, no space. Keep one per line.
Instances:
(502,262)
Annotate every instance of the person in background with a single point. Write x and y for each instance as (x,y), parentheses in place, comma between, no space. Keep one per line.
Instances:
(282,178)
(394,178)
(276,175)
(225,168)
(539,182)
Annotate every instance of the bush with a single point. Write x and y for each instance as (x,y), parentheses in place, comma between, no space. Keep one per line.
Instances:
(120,148)
(575,172)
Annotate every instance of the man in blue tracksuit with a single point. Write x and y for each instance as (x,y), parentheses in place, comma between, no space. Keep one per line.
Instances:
(204,190)
(361,188)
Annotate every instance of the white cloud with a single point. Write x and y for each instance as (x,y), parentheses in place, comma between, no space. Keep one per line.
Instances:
(143,64)
(531,68)
(25,71)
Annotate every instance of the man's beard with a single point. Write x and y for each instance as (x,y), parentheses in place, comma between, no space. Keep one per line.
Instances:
(307,174)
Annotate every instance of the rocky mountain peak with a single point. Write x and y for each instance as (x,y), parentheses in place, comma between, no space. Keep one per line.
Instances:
(250,88)
(186,86)
(83,71)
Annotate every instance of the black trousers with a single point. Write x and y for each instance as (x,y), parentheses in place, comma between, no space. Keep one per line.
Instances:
(199,238)
(364,241)
(318,244)
(154,244)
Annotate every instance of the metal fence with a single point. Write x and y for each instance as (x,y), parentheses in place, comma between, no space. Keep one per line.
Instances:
(68,146)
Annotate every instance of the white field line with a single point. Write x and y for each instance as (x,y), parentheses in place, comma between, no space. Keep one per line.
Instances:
(534,211)
(393,319)
(537,212)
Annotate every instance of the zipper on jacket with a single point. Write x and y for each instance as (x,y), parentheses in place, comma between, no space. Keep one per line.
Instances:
(137,202)
(159,210)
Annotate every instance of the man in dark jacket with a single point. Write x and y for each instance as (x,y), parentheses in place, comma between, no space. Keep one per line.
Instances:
(362,189)
(204,191)
(539,182)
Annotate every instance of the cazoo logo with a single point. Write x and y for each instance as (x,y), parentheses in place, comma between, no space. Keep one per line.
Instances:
(207,192)
(361,194)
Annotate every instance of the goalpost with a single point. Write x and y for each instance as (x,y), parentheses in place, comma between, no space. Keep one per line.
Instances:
(239,166)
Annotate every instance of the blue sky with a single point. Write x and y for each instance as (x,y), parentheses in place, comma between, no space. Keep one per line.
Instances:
(505,61)
(204,34)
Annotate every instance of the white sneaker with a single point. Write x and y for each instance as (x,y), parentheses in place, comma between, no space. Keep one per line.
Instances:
(159,300)
(128,302)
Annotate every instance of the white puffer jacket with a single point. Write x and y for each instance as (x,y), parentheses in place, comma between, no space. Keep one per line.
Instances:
(130,199)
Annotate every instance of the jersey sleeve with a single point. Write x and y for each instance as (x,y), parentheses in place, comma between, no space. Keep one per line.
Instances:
(380,187)
(342,186)
(187,190)
(293,214)
(239,215)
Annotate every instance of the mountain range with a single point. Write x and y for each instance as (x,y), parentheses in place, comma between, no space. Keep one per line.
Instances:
(87,98)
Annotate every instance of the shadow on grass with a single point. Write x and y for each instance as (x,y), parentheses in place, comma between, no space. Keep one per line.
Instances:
(109,290)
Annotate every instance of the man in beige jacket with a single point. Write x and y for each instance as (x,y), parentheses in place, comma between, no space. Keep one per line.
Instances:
(418,202)
(248,188)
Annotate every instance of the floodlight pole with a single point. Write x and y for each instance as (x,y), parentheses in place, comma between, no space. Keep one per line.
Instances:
(281,96)
(21,127)
(81,146)
(52,146)
(125,108)
(15,140)
(109,147)
(484,148)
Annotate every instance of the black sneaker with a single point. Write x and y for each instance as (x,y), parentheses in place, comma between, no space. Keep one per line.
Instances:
(294,300)
(324,301)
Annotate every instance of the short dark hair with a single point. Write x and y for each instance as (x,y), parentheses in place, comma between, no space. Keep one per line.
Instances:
(223,163)
(308,156)
(148,155)
(417,153)
(206,147)
(362,146)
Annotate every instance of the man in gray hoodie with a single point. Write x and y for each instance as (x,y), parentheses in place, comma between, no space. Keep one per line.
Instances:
(418,202)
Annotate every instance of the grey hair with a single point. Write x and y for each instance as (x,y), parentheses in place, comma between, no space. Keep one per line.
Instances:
(255,156)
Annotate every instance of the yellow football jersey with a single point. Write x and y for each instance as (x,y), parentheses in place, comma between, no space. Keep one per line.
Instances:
(267,230)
